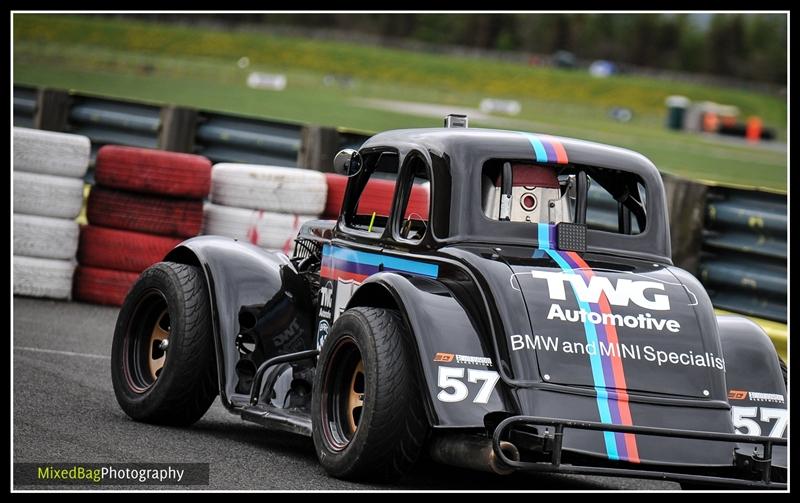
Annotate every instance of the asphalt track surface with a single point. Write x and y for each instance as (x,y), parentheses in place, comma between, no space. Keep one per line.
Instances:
(65,411)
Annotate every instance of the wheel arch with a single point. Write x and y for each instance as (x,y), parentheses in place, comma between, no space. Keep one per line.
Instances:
(746,346)
(438,323)
(237,275)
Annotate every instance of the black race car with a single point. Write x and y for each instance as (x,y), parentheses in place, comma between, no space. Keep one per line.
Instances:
(478,315)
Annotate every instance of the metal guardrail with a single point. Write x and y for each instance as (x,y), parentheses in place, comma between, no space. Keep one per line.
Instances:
(237,139)
(24,106)
(744,253)
(743,257)
(114,122)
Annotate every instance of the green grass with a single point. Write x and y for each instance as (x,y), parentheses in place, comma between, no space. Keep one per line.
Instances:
(197,67)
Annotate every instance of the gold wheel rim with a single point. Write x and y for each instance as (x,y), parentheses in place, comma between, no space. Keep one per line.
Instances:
(355,398)
(156,348)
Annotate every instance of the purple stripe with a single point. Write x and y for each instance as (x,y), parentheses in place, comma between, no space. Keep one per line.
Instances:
(622,449)
(600,329)
(608,370)
(569,261)
(352,267)
(551,152)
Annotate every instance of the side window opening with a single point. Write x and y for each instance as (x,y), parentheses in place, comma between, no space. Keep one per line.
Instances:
(414,202)
(623,214)
(527,192)
(537,193)
(378,180)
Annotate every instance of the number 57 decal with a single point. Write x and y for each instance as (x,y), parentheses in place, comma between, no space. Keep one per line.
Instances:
(743,420)
(452,377)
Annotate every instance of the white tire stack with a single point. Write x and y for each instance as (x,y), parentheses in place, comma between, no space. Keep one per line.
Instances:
(263,205)
(48,195)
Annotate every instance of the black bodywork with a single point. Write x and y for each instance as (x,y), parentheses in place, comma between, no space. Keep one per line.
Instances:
(492,301)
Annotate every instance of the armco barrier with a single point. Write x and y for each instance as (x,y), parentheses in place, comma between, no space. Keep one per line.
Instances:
(24,106)
(225,138)
(744,254)
(740,244)
(113,122)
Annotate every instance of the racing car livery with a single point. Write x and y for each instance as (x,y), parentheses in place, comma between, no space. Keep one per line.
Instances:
(482,315)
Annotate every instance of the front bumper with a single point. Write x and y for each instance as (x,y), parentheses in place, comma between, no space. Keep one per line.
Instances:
(747,470)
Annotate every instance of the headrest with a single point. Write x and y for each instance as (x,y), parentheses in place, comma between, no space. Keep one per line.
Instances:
(531,175)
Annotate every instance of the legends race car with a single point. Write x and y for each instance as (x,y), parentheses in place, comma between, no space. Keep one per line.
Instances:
(478,315)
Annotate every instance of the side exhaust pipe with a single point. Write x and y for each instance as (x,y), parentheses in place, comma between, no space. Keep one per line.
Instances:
(473,452)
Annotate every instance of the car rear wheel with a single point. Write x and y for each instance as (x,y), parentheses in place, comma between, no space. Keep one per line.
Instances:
(368,418)
(162,355)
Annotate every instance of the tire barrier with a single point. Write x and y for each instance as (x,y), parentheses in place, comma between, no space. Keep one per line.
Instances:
(145,203)
(103,286)
(153,171)
(268,188)
(124,210)
(45,237)
(49,153)
(122,250)
(377,197)
(47,195)
(263,205)
(275,231)
(48,184)
(744,234)
(43,277)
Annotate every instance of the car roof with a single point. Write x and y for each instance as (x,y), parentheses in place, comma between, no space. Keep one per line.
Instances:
(472,143)
(457,156)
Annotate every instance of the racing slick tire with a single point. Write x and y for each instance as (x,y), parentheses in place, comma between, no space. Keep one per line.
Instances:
(45,237)
(269,188)
(51,153)
(172,382)
(129,211)
(47,195)
(153,171)
(368,419)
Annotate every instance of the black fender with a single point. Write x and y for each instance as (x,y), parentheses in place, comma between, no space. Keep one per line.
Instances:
(754,380)
(444,337)
(751,360)
(255,293)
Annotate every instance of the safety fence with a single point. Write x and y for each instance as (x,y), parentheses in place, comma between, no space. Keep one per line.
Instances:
(744,252)
(733,240)
(139,204)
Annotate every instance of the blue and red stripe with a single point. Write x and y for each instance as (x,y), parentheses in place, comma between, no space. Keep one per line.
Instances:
(355,265)
(607,370)
(547,148)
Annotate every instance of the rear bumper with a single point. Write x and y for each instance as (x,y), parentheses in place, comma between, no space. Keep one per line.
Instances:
(753,470)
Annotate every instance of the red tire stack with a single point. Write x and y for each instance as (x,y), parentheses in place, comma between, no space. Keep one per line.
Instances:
(144,203)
